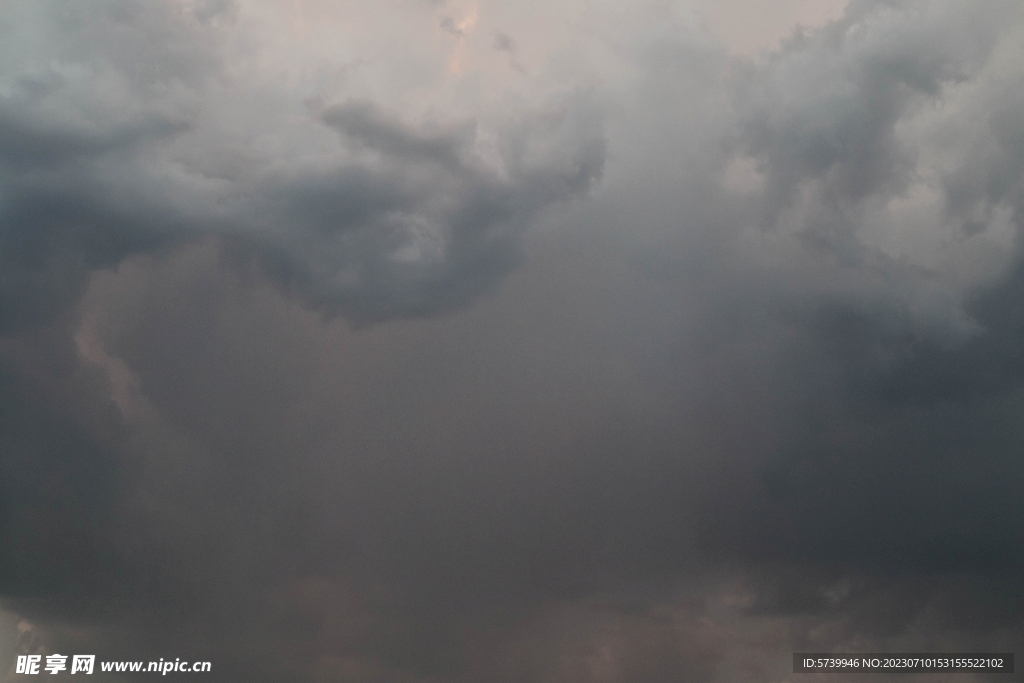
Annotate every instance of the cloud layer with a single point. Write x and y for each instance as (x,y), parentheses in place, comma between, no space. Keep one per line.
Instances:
(442,343)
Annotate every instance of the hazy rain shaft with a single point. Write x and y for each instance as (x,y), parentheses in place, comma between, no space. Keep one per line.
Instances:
(431,341)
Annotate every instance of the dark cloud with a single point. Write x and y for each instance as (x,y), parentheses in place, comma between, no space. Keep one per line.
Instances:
(107,152)
(504,42)
(759,393)
(60,470)
(429,226)
(448,24)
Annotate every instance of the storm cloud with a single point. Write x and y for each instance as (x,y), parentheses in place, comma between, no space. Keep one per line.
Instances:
(463,342)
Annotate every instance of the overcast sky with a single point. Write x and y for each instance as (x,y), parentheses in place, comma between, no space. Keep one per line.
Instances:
(480,341)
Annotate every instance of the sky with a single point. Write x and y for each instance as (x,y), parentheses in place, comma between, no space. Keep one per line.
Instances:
(477,341)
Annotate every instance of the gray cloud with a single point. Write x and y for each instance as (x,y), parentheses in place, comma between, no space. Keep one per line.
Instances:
(758,393)
(110,149)
(431,227)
